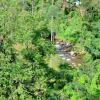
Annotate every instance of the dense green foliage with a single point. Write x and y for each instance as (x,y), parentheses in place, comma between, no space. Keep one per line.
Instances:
(29,67)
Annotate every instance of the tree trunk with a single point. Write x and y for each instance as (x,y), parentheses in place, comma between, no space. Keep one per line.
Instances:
(52,28)
(63,5)
(52,19)
(33,4)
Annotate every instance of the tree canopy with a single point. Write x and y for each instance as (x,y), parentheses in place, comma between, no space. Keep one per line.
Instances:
(30,69)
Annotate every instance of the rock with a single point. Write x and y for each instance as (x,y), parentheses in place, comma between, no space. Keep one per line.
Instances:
(64,58)
(73,64)
(79,64)
(57,42)
(72,53)
(68,59)
(67,49)
(58,46)
(68,45)
(61,55)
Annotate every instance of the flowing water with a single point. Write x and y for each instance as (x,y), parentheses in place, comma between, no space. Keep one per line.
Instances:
(64,50)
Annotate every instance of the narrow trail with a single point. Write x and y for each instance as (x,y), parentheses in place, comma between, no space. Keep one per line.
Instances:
(64,50)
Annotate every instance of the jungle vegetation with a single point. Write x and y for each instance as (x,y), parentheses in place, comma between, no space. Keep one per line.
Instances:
(29,66)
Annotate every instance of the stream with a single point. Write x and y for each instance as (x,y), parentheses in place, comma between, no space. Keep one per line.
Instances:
(64,50)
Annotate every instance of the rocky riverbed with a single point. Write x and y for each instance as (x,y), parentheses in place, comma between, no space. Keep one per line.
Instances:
(64,50)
